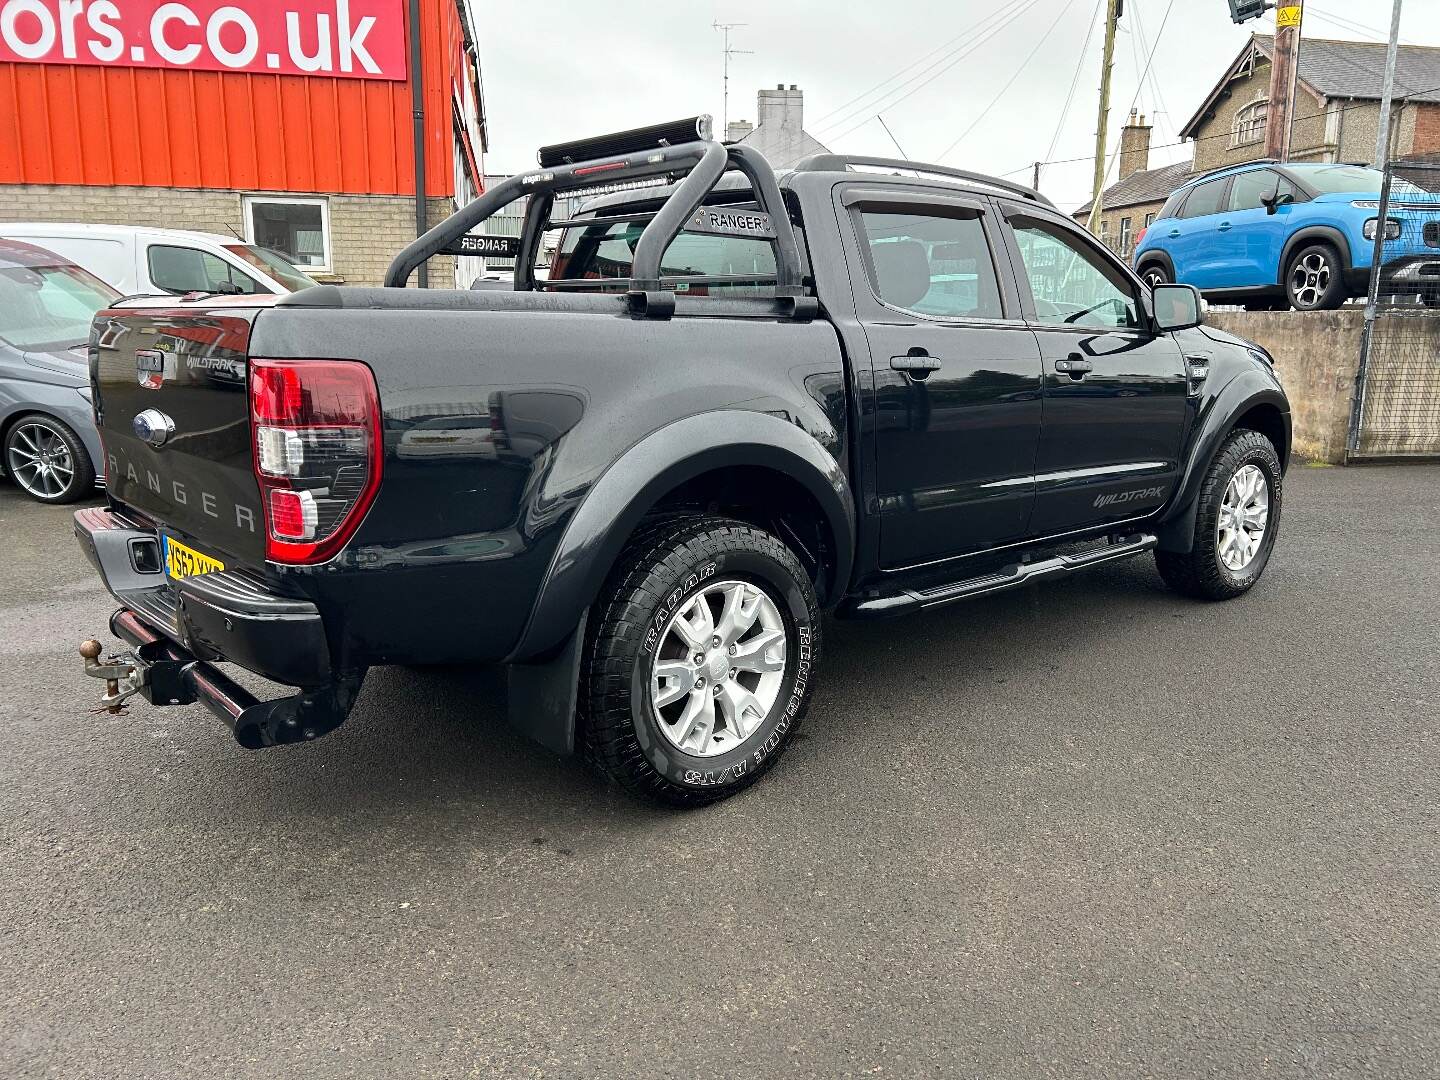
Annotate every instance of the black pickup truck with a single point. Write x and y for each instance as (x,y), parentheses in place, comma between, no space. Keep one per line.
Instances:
(864,387)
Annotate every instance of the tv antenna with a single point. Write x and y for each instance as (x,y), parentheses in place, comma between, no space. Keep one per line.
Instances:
(725,29)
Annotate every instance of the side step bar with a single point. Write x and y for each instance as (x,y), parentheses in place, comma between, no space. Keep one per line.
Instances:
(907,601)
(166,674)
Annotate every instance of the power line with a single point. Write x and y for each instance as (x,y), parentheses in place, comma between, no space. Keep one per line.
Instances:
(824,121)
(1354,27)
(1005,89)
(954,59)
(1226,134)
(1159,98)
(1075,82)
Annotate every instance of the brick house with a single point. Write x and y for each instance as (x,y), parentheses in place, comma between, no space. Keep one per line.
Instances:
(1337,118)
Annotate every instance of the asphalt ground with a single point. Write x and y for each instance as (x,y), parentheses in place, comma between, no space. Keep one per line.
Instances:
(1088,829)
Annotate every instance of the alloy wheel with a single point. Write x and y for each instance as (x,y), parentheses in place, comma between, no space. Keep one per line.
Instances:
(1310,280)
(1155,277)
(718,668)
(1244,516)
(40,461)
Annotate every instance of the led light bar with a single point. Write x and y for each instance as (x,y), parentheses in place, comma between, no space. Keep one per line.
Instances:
(674,133)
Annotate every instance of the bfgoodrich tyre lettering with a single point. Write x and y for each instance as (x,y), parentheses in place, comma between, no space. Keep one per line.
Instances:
(670,567)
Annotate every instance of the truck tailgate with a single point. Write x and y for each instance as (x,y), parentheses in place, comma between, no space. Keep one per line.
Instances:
(171,398)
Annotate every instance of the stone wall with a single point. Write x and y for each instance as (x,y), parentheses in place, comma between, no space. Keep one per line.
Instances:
(366,231)
(1317,354)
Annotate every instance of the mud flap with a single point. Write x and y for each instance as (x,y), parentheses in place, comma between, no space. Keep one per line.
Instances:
(543,696)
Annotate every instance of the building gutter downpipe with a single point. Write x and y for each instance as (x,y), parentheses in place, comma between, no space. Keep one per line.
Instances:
(417,108)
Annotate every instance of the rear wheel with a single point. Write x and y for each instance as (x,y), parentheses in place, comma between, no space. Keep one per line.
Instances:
(47,460)
(1154,274)
(1315,279)
(1235,523)
(699,667)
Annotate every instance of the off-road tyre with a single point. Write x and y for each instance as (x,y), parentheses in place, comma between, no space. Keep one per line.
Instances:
(1200,573)
(666,564)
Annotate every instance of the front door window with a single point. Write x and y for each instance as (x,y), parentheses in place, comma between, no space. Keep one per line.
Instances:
(1072,285)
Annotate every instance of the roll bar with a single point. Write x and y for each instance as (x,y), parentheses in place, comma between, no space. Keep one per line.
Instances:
(626,156)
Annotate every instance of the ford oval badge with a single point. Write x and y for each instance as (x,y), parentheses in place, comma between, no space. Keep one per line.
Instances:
(153,427)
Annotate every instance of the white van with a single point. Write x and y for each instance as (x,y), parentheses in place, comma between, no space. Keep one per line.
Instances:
(139,260)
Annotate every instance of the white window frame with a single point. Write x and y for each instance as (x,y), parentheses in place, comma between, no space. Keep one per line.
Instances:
(1243,114)
(289,200)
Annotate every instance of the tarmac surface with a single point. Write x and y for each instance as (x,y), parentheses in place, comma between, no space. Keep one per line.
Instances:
(1087,829)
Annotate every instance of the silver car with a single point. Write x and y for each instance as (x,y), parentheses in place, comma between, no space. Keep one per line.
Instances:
(48,443)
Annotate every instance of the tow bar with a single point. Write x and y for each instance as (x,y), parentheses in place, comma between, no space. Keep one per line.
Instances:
(163,673)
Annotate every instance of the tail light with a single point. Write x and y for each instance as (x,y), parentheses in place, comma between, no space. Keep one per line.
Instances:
(318,449)
(1140,237)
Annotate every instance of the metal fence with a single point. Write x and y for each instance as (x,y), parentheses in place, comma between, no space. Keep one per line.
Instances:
(1396,411)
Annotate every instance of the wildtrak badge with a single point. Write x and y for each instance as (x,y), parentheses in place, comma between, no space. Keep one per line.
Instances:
(1138,495)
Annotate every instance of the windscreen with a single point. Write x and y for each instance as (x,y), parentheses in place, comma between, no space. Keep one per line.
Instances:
(1342,179)
(44,308)
(274,264)
(724,265)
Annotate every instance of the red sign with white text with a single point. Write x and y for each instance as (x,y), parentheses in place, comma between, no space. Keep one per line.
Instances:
(348,39)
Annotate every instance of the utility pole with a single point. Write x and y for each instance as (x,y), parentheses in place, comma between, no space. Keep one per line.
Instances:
(1114,9)
(1284,70)
(725,28)
(1382,140)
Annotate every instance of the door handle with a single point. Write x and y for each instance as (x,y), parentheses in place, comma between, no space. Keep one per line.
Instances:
(917,363)
(1174,234)
(1076,366)
(1225,226)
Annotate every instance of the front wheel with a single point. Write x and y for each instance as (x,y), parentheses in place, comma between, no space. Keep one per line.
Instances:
(1235,523)
(1154,274)
(1315,280)
(700,664)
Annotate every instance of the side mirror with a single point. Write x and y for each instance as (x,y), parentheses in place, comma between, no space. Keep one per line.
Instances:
(1177,307)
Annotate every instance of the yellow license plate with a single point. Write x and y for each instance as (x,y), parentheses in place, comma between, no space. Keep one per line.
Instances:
(183,562)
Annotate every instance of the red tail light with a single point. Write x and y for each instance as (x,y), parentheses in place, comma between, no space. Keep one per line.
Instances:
(1140,237)
(315,428)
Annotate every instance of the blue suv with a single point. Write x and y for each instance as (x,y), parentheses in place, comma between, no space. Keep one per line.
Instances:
(1300,235)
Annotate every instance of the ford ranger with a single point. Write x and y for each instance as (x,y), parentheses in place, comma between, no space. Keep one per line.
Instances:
(735,401)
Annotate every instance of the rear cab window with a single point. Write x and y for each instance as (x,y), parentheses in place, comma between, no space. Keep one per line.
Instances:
(695,264)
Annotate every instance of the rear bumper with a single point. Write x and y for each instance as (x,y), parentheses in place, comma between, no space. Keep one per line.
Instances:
(224,616)
(176,635)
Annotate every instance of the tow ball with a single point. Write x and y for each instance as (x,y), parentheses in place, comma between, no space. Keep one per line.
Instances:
(123,676)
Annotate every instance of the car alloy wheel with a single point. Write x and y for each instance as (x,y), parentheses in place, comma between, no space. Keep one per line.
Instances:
(1155,276)
(719,668)
(1244,516)
(1310,280)
(39,460)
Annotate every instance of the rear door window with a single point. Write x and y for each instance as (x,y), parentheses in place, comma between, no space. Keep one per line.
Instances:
(933,265)
(1207,198)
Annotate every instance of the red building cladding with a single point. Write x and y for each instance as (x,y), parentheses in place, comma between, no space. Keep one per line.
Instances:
(296,97)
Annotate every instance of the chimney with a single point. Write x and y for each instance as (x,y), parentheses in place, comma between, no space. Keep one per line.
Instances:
(1134,146)
(736,130)
(781,108)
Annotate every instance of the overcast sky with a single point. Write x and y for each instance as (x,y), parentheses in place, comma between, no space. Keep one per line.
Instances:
(938,70)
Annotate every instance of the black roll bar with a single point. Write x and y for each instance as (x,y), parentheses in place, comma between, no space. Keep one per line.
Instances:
(701,163)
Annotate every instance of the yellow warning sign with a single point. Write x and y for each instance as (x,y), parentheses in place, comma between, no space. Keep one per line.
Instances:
(1287,16)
